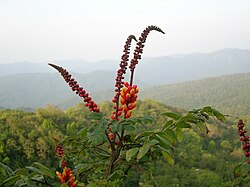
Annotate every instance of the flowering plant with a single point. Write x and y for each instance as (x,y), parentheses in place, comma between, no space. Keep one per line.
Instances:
(109,150)
(112,142)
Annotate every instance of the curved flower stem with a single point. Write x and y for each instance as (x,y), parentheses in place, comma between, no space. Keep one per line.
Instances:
(75,87)
(139,49)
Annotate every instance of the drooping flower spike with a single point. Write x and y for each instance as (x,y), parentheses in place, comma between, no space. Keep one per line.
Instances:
(75,87)
(130,103)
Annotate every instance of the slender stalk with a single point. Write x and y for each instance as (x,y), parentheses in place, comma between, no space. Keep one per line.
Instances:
(121,72)
(139,49)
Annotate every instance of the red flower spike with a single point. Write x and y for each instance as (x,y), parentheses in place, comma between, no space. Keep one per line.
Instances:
(121,71)
(75,87)
(244,138)
(59,150)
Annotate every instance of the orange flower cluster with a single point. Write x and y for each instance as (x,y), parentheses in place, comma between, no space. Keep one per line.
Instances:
(128,98)
(66,177)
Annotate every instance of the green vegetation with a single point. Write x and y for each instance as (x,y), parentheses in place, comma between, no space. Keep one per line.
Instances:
(229,94)
(99,149)
(27,137)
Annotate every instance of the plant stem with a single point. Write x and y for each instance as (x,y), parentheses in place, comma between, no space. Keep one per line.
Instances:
(114,156)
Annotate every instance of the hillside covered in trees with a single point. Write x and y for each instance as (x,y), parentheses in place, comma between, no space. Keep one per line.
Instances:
(229,94)
(27,137)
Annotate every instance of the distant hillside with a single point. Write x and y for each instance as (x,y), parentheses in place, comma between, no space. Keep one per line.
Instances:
(35,90)
(157,70)
(32,90)
(230,94)
(180,68)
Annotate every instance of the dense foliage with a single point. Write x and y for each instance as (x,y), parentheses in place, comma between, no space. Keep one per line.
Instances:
(27,137)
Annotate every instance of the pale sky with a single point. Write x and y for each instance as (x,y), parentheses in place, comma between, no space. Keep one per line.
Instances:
(47,30)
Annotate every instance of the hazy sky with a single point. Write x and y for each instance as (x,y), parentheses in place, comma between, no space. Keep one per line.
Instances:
(47,30)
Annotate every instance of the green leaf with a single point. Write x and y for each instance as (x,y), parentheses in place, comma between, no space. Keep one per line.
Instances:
(68,140)
(129,127)
(203,127)
(11,180)
(242,170)
(83,133)
(143,151)
(97,132)
(168,124)
(153,142)
(183,124)
(64,185)
(31,168)
(149,119)
(119,127)
(172,115)
(163,142)
(3,172)
(115,175)
(179,134)
(218,115)
(167,155)
(169,133)
(211,111)
(205,115)
(102,154)
(139,120)
(207,109)
(128,122)
(30,183)
(144,134)
(95,115)
(46,171)
(6,168)
(36,177)
(22,171)
(113,128)
(21,182)
(98,139)
(131,153)
(186,118)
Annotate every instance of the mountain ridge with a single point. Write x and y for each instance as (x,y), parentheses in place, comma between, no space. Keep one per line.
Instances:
(154,70)
(228,93)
